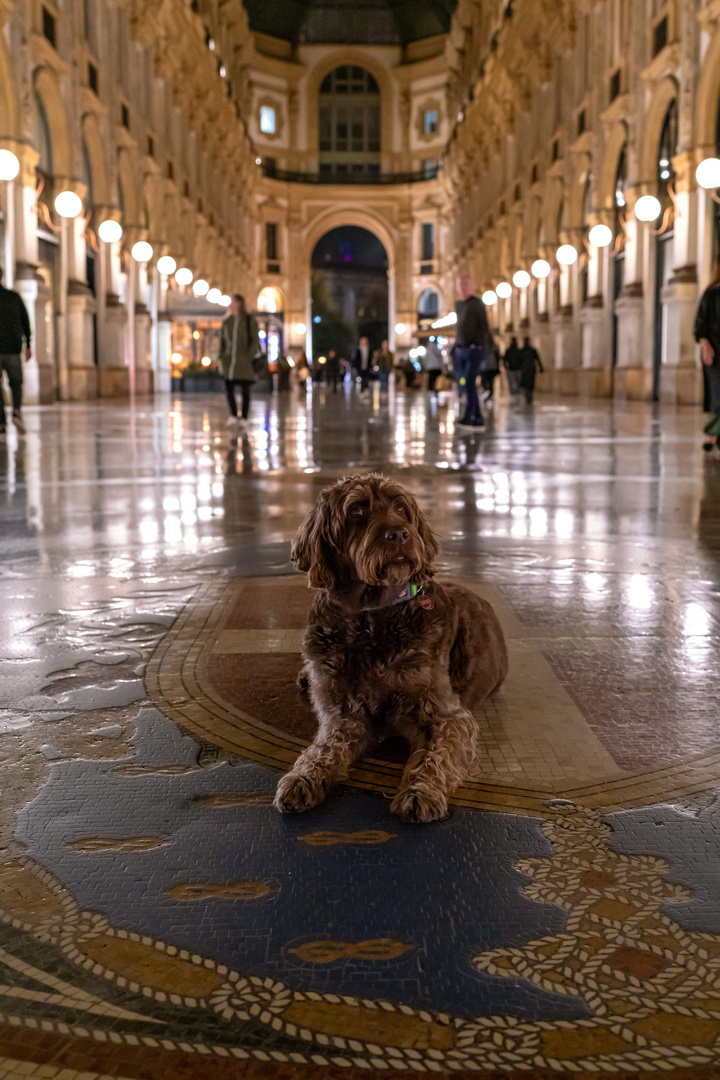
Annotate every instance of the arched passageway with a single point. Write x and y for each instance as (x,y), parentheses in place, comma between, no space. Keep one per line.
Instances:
(349,268)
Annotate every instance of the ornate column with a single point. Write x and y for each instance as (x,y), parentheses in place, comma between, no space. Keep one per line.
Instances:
(567,334)
(632,378)
(595,376)
(113,373)
(39,372)
(681,380)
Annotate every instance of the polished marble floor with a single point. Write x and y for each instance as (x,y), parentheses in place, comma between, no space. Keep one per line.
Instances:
(158,917)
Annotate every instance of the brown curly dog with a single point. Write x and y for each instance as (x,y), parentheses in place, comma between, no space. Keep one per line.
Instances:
(388,651)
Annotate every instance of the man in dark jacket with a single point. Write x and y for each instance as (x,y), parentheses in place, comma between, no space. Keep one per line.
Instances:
(530,364)
(473,340)
(513,361)
(14,328)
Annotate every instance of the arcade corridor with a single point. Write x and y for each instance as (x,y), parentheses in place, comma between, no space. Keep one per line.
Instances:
(160,918)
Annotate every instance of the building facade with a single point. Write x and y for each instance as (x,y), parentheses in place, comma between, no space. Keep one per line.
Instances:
(567,114)
(482,136)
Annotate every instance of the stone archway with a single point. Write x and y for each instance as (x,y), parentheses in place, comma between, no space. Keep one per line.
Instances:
(328,219)
(349,290)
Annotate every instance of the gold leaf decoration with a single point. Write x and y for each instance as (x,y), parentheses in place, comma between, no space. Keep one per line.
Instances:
(235,890)
(328,952)
(118,843)
(330,839)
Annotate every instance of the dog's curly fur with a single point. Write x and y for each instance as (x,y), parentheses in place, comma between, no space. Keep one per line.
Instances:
(380,665)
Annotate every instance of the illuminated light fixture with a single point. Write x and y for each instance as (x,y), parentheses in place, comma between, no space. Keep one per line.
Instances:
(447,320)
(541,268)
(223,71)
(176,358)
(110,231)
(9,165)
(600,236)
(648,208)
(504,290)
(300,328)
(142,251)
(167,265)
(201,287)
(413,353)
(196,335)
(619,197)
(521,279)
(707,173)
(665,174)
(322,360)
(400,328)
(663,162)
(214,296)
(211,45)
(184,276)
(489,298)
(258,161)
(421,350)
(567,255)
(68,204)
(225,300)
(206,361)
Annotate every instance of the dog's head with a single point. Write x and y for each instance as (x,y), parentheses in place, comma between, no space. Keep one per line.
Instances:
(368,529)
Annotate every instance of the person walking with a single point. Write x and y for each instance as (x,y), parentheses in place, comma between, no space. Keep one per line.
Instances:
(384,361)
(707,333)
(433,362)
(333,369)
(239,345)
(490,371)
(362,364)
(530,364)
(511,362)
(14,329)
(473,341)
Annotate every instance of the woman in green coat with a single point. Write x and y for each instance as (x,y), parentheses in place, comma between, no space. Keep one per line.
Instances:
(239,345)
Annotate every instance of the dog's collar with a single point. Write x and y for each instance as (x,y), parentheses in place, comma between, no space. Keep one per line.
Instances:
(409,592)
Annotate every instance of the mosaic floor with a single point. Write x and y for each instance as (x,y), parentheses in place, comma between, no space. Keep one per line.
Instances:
(159,918)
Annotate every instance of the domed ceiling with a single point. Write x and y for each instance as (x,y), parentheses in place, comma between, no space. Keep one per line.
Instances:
(350,22)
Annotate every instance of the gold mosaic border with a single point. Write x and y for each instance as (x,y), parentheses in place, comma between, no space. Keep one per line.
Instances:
(663,1017)
(178,684)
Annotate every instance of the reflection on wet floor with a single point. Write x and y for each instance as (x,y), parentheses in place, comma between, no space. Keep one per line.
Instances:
(148,654)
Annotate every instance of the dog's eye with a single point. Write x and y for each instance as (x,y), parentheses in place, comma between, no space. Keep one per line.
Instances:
(400,509)
(357,512)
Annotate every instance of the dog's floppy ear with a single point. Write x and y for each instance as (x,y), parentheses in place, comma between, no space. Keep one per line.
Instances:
(313,551)
(428,538)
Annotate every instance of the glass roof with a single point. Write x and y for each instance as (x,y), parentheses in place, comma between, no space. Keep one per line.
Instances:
(357,22)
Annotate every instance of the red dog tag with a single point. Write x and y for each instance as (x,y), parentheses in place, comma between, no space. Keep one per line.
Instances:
(426,602)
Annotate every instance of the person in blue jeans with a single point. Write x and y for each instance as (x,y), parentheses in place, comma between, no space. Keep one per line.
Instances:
(473,338)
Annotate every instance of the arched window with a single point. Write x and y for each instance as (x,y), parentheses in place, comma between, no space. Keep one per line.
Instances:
(349,122)
(43,142)
(667,150)
(428,304)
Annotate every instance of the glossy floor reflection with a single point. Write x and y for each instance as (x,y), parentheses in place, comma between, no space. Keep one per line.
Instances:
(159,917)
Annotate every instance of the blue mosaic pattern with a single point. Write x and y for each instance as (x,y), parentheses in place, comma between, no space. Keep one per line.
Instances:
(447,891)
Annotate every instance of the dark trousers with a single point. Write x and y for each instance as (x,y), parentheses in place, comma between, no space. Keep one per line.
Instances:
(433,376)
(365,377)
(13,366)
(467,365)
(487,381)
(244,385)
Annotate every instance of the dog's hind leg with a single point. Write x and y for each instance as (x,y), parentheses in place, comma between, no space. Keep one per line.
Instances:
(433,773)
(326,761)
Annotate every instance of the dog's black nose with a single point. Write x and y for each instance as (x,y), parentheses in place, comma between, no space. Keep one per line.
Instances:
(398,536)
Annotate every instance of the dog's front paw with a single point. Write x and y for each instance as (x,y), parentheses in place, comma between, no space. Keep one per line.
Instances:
(296,793)
(415,804)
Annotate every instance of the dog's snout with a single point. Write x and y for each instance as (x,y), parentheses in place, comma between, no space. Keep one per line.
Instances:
(397,536)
